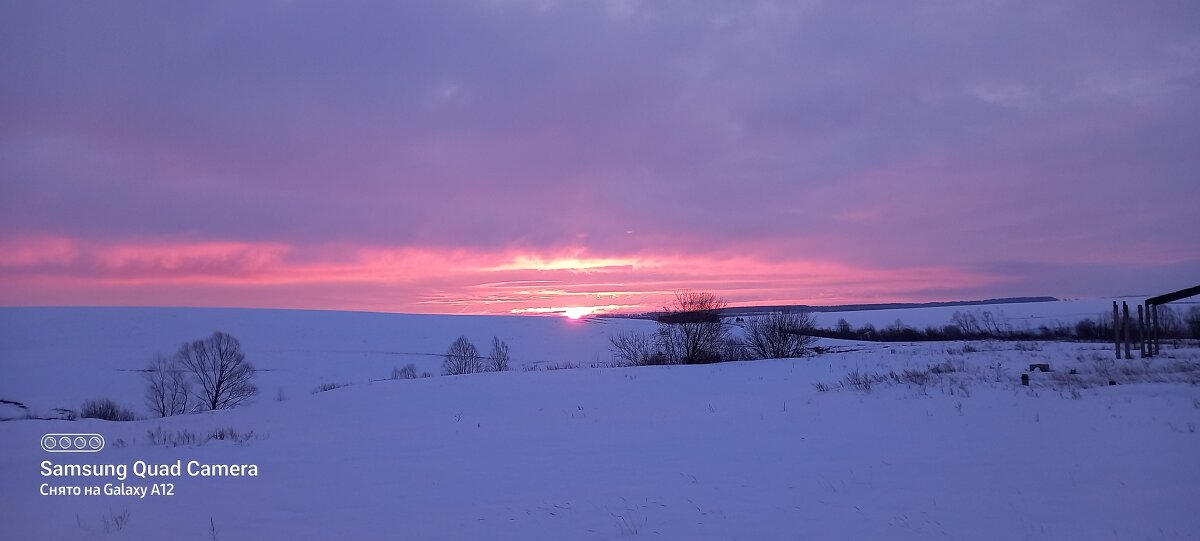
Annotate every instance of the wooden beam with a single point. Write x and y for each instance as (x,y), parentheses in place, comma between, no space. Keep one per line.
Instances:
(1172,297)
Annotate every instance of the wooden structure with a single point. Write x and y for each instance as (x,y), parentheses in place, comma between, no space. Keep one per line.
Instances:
(1149,325)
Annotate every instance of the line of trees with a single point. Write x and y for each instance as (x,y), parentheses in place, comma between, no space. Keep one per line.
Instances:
(691,330)
(462,357)
(987,325)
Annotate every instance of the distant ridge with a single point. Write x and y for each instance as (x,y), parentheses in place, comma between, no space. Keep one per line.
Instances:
(754,310)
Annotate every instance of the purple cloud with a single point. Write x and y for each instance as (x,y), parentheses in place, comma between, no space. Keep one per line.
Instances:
(1019,140)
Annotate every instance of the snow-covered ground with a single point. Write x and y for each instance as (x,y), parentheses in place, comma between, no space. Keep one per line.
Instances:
(748,450)
(59,357)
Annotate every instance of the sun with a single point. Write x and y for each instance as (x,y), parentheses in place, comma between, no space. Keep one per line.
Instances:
(577,312)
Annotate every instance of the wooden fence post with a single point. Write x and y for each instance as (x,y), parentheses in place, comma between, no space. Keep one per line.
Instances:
(1141,332)
(1116,330)
(1126,325)
(1156,330)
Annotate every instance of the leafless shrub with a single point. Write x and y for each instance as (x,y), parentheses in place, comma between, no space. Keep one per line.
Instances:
(186,438)
(497,360)
(946,367)
(915,376)
(223,378)
(462,358)
(106,409)
(167,389)
(862,381)
(232,434)
(181,438)
(690,329)
(780,336)
(329,387)
(408,372)
(632,348)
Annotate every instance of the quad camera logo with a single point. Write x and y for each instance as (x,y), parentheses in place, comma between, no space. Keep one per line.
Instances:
(72,443)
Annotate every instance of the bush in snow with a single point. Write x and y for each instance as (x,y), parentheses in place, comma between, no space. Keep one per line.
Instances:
(690,329)
(329,387)
(462,358)
(497,360)
(408,372)
(105,409)
(632,348)
(780,336)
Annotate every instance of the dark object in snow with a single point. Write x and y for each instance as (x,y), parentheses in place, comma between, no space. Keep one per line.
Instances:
(1025,379)
(1073,371)
(1044,367)
(1112,382)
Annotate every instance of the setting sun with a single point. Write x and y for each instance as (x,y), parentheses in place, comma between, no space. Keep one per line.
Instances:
(577,312)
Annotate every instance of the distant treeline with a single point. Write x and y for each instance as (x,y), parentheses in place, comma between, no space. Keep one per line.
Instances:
(753,311)
(760,310)
(988,325)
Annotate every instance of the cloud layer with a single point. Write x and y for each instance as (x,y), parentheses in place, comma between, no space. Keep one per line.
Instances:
(396,156)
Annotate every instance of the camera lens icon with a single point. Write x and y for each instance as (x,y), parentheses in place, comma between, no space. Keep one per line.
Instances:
(72,443)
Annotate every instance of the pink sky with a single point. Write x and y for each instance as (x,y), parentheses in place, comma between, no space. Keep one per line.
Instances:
(531,156)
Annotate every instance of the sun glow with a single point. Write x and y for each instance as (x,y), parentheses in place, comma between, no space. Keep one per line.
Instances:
(577,312)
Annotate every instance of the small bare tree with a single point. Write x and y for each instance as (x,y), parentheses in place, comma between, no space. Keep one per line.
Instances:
(690,329)
(462,358)
(408,372)
(780,336)
(632,347)
(221,374)
(498,357)
(167,389)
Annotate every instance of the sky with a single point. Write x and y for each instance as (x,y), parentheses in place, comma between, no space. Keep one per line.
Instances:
(534,156)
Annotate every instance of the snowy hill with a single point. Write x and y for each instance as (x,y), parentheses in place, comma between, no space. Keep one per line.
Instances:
(59,357)
(941,441)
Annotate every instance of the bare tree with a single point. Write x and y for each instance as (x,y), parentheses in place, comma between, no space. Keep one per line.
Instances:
(167,389)
(966,322)
(780,336)
(408,372)
(221,374)
(1193,321)
(632,347)
(498,357)
(462,358)
(690,329)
